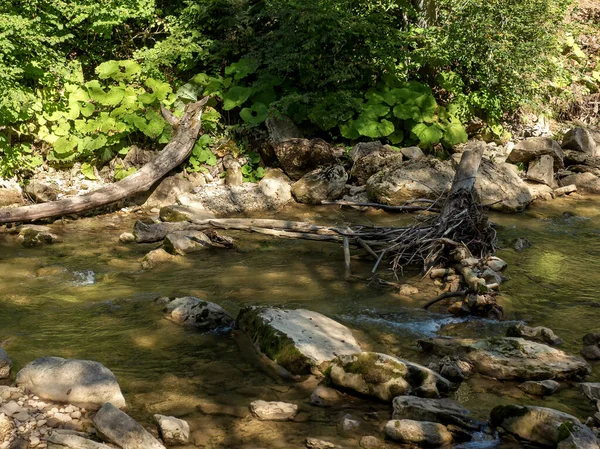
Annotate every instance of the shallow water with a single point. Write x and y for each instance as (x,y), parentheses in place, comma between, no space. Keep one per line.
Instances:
(88,298)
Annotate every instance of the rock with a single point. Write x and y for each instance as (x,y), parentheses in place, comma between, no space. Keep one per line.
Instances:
(421,433)
(274,411)
(6,427)
(118,428)
(384,376)
(313,443)
(408,290)
(7,393)
(5,364)
(10,194)
(84,383)
(172,430)
(268,194)
(325,397)
(507,358)
(444,411)
(539,388)
(412,153)
(539,333)
(127,237)
(542,170)
(320,185)
(581,140)
(298,340)
(368,165)
(492,277)
(168,191)
(175,213)
(530,149)
(591,390)
(349,425)
(372,442)
(34,235)
(185,242)
(591,352)
(300,156)
(496,264)
(363,149)
(204,315)
(233,176)
(585,182)
(502,188)
(41,192)
(541,191)
(282,129)
(59,440)
(137,157)
(579,437)
(520,244)
(276,173)
(539,425)
(156,258)
(423,178)
(591,339)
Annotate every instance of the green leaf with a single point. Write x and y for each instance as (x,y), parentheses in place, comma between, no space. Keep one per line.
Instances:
(88,171)
(188,92)
(428,135)
(455,133)
(254,115)
(236,96)
(348,130)
(87,109)
(396,137)
(160,89)
(107,69)
(371,127)
(65,145)
(242,68)
(121,173)
(376,110)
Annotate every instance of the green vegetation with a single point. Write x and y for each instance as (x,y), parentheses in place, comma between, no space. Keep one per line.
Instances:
(81,81)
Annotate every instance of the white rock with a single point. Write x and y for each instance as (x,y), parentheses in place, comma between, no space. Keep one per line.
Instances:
(274,411)
(173,430)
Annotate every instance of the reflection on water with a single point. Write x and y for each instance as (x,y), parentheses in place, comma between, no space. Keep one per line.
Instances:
(88,298)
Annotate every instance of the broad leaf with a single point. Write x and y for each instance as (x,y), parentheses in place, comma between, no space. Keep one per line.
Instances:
(254,115)
(455,134)
(107,69)
(236,96)
(88,171)
(428,135)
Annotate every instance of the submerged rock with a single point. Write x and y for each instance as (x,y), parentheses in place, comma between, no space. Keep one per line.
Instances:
(539,425)
(313,443)
(300,156)
(521,243)
(591,350)
(118,428)
(175,213)
(156,258)
(5,364)
(510,358)
(320,185)
(61,440)
(444,411)
(84,383)
(323,396)
(539,333)
(191,311)
(539,388)
(186,242)
(421,433)
(274,411)
(34,235)
(172,430)
(298,340)
(385,377)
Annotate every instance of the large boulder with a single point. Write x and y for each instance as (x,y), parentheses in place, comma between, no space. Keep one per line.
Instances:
(5,364)
(298,340)
(421,433)
(539,425)
(118,428)
(542,170)
(538,333)
(10,194)
(168,191)
(581,140)
(444,411)
(84,383)
(321,184)
(268,194)
(510,358)
(300,156)
(191,311)
(385,377)
(422,178)
(585,182)
(368,165)
(501,187)
(532,148)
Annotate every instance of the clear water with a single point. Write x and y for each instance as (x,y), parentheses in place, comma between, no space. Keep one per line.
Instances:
(88,298)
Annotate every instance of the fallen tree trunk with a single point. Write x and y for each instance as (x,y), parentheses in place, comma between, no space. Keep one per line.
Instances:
(174,153)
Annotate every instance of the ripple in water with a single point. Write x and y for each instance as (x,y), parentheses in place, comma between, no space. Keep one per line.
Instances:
(85,277)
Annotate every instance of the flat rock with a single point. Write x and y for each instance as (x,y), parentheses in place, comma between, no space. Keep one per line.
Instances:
(385,377)
(118,428)
(421,433)
(542,170)
(321,184)
(510,358)
(444,411)
(268,194)
(172,430)
(532,148)
(540,387)
(539,425)
(59,440)
(539,333)
(274,411)
(186,242)
(298,340)
(83,383)
(191,311)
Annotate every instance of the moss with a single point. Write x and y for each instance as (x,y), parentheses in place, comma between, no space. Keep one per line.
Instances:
(565,430)
(374,369)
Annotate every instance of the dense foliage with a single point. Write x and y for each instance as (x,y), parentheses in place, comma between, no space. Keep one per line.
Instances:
(81,80)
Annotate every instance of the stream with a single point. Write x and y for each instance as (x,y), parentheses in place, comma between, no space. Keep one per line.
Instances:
(88,298)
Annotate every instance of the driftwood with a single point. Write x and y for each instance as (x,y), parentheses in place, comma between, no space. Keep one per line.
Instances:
(386,207)
(174,153)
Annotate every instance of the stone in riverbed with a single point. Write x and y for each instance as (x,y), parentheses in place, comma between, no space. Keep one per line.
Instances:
(156,258)
(368,165)
(299,340)
(499,186)
(539,333)
(274,411)
(321,184)
(325,397)
(581,140)
(60,440)
(539,388)
(591,390)
(529,149)
(34,235)
(185,242)
(313,443)
(175,213)
(510,358)
(115,426)
(591,339)
(83,383)
(7,426)
(385,377)
(191,311)
(542,170)
(585,182)
(444,411)
(591,352)
(5,364)
(421,433)
(172,430)
(539,425)
(496,264)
